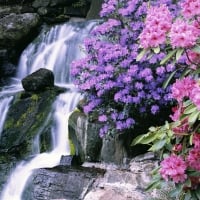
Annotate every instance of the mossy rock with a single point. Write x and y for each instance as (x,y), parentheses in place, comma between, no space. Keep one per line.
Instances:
(27,117)
(84,137)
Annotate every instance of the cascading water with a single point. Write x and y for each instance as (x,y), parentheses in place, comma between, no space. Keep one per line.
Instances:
(53,50)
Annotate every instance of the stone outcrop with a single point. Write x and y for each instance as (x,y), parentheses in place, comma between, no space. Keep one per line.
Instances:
(15,27)
(38,81)
(62,183)
(96,181)
(29,114)
(84,136)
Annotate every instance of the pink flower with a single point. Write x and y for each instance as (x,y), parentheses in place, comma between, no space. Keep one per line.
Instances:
(196,140)
(174,168)
(193,159)
(195,95)
(183,34)
(177,147)
(182,88)
(193,59)
(178,111)
(190,8)
(183,128)
(157,24)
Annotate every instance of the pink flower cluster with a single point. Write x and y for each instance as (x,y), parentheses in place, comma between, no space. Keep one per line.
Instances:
(194,155)
(186,87)
(183,34)
(182,88)
(193,59)
(190,8)
(158,23)
(193,159)
(195,95)
(174,167)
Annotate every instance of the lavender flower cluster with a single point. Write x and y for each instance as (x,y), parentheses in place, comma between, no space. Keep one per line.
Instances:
(115,85)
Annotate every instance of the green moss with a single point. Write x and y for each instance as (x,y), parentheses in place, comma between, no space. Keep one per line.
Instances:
(35,97)
(72,148)
(9,123)
(79,4)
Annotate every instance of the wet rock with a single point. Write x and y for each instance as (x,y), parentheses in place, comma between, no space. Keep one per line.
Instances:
(29,114)
(95,9)
(85,137)
(15,27)
(69,183)
(113,150)
(38,81)
(70,161)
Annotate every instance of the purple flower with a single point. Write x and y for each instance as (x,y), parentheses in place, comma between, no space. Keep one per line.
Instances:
(160,70)
(154,109)
(102,118)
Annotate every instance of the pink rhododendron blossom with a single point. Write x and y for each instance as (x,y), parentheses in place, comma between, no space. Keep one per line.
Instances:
(193,59)
(190,8)
(183,128)
(182,88)
(177,112)
(177,147)
(196,140)
(157,24)
(193,159)
(195,95)
(183,34)
(174,167)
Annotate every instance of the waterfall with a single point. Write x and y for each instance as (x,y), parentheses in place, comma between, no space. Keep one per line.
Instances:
(4,106)
(54,49)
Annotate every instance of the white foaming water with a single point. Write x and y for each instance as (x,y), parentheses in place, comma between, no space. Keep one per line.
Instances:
(4,106)
(53,50)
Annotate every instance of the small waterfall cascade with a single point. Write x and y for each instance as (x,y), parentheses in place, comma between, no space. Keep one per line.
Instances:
(54,49)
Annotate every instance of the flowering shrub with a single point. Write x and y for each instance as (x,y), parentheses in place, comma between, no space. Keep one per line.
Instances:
(179,141)
(117,88)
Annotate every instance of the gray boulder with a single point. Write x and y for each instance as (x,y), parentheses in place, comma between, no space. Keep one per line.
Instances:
(29,114)
(38,81)
(15,27)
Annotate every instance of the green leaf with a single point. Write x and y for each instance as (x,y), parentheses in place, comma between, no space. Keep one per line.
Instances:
(156,50)
(188,183)
(185,72)
(177,191)
(187,103)
(197,192)
(188,196)
(193,173)
(141,54)
(153,185)
(196,49)
(145,139)
(190,109)
(193,117)
(166,82)
(179,53)
(169,56)
(158,145)
(152,129)
(197,71)
(191,138)
(137,139)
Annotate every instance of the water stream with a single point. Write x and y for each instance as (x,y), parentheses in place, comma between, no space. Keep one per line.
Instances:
(54,49)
